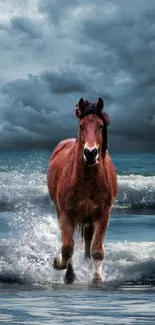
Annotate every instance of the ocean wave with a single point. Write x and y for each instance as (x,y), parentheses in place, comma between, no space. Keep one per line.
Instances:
(19,190)
(29,258)
(135,191)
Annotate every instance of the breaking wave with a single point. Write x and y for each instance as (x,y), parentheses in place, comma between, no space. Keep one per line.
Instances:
(136,191)
(26,255)
(17,190)
(28,258)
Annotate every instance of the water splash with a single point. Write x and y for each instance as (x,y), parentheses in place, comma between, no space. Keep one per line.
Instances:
(29,257)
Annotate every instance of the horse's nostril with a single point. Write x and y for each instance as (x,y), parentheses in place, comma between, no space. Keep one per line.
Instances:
(95,152)
(86,152)
(90,154)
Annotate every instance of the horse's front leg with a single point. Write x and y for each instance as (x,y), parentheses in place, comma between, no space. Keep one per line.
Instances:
(97,248)
(67,247)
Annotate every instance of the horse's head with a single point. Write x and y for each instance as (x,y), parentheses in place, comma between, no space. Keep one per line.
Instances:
(92,129)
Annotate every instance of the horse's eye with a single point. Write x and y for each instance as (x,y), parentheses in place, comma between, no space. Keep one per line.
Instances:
(101,126)
(81,126)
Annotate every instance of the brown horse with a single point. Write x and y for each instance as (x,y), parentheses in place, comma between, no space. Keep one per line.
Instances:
(83,185)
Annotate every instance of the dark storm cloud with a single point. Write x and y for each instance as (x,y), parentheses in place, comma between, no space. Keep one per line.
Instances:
(129,40)
(26,26)
(31,115)
(72,49)
(64,82)
(56,9)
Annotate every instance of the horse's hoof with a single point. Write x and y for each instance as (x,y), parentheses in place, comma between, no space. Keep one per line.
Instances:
(97,279)
(70,278)
(58,265)
(70,274)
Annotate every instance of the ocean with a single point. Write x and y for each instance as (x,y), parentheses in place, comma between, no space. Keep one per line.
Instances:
(32,292)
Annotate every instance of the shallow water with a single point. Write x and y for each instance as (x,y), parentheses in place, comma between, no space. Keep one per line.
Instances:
(77,305)
(32,292)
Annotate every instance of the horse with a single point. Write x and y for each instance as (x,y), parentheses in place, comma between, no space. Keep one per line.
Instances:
(82,183)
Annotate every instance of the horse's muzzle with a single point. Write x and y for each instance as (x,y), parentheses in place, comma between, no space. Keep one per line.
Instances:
(90,156)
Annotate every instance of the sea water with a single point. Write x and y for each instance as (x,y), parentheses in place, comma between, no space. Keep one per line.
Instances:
(32,292)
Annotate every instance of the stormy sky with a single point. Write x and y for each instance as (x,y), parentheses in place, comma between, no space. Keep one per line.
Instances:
(53,52)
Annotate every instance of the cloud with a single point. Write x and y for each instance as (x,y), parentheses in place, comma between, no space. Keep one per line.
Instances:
(53,53)
(64,82)
(56,9)
(31,114)
(26,26)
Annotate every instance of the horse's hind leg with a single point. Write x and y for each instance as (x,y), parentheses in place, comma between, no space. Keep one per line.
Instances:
(67,247)
(87,235)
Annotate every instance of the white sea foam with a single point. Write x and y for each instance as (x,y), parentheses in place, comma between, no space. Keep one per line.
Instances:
(19,189)
(29,257)
(134,191)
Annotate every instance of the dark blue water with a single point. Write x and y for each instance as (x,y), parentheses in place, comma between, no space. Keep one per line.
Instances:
(31,292)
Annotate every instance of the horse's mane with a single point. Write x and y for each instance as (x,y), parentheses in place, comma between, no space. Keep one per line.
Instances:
(92,108)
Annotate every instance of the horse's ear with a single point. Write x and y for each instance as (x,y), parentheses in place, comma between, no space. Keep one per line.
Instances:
(100,104)
(81,105)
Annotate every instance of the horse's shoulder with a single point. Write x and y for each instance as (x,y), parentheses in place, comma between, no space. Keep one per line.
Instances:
(64,144)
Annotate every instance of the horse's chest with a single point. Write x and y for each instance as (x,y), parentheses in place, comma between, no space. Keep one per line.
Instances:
(85,202)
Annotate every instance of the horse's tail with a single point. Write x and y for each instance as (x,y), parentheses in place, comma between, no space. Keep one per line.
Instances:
(86,231)
(80,231)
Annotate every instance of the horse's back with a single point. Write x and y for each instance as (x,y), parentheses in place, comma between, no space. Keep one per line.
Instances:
(66,144)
